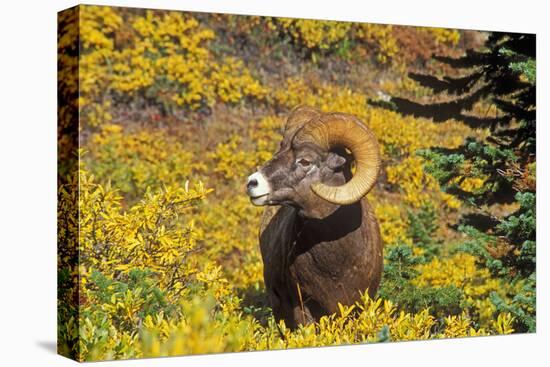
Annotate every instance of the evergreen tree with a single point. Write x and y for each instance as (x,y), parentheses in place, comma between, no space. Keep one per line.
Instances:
(502,78)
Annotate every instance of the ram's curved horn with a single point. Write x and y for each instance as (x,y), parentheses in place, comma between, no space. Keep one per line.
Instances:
(332,130)
(299,117)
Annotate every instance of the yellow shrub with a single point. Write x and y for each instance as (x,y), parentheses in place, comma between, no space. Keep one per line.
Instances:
(418,187)
(471,184)
(134,161)
(239,156)
(460,326)
(381,37)
(232,161)
(477,283)
(315,34)
(459,270)
(393,224)
(443,35)
(163,55)
(148,235)
(365,321)
(229,233)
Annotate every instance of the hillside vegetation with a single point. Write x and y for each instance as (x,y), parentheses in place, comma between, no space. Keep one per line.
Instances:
(177,109)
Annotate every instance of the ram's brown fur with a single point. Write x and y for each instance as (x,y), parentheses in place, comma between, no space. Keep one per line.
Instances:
(320,254)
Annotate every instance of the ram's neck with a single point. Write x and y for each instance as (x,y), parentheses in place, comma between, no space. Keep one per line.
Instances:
(321,221)
(316,208)
(336,226)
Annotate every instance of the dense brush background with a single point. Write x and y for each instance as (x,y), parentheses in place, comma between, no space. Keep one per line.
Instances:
(177,109)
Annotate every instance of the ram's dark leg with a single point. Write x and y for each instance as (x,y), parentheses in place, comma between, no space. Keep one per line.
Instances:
(302,315)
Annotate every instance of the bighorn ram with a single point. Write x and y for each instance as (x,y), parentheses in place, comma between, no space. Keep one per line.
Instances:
(319,239)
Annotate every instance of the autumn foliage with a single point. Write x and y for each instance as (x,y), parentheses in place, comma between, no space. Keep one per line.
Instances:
(158,248)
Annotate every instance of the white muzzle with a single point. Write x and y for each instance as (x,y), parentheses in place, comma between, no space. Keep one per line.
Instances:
(258,188)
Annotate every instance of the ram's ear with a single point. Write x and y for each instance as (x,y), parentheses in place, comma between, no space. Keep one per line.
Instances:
(334,161)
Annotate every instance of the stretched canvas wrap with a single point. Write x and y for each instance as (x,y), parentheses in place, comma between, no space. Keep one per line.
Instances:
(236,183)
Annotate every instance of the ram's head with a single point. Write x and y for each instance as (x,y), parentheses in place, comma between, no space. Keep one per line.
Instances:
(314,161)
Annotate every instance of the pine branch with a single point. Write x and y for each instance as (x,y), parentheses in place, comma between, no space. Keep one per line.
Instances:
(470,60)
(443,111)
(515,110)
(482,222)
(484,122)
(450,85)
(523,44)
(507,84)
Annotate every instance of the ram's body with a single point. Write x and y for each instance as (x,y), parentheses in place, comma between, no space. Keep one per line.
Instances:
(319,238)
(311,265)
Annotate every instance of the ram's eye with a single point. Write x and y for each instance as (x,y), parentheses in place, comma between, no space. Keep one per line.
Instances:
(303,162)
